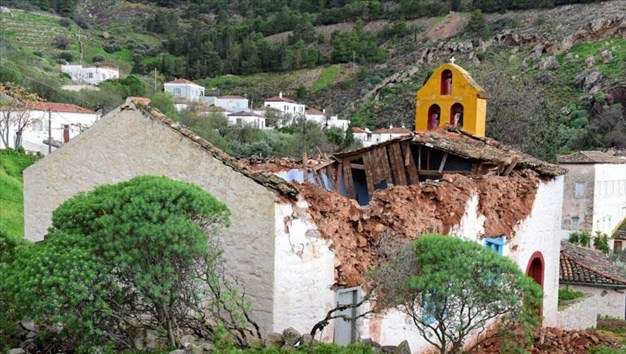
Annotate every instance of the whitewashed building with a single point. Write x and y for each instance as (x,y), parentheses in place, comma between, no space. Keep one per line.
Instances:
(335,122)
(602,284)
(91,75)
(369,138)
(315,115)
(184,89)
(232,103)
(246,118)
(65,120)
(285,105)
(595,193)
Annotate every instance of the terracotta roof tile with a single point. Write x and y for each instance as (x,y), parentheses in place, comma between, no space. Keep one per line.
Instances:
(59,107)
(314,111)
(279,99)
(584,266)
(392,130)
(590,157)
(182,81)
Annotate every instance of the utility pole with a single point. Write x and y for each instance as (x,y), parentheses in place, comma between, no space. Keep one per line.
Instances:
(49,131)
(80,44)
(155,80)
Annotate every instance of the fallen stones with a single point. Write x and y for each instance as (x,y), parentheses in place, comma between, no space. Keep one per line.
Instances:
(291,336)
(548,63)
(589,81)
(606,55)
(274,340)
(403,348)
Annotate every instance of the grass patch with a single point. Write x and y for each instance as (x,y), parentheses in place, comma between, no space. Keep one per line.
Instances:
(327,77)
(565,294)
(12,164)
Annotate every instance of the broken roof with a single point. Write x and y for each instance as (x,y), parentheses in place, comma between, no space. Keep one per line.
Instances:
(472,147)
(590,157)
(266,179)
(584,266)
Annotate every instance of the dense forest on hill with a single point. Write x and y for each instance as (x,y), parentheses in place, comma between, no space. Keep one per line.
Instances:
(203,38)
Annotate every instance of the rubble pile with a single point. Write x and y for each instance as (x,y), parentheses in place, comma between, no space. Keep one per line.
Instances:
(558,341)
(401,213)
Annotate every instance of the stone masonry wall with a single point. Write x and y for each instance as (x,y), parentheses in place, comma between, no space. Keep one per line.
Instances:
(125,144)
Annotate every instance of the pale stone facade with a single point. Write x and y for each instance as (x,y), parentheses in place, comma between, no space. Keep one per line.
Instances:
(125,144)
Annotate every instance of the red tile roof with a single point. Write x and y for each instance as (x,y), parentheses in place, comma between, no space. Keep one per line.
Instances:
(182,81)
(59,107)
(232,97)
(358,130)
(144,101)
(590,157)
(393,130)
(279,99)
(314,111)
(584,266)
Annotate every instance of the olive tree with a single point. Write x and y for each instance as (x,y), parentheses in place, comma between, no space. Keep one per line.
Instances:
(141,254)
(454,289)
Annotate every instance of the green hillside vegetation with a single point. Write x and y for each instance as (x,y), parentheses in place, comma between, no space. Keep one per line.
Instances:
(12,163)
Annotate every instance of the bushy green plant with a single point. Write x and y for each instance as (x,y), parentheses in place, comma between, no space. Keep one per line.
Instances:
(451,288)
(566,294)
(478,25)
(601,242)
(135,254)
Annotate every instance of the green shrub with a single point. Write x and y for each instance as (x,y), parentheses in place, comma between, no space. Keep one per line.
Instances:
(134,252)
(478,25)
(565,294)
(66,56)
(440,282)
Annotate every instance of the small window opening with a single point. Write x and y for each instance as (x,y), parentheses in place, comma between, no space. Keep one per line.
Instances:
(456,115)
(579,190)
(434,116)
(446,82)
(496,244)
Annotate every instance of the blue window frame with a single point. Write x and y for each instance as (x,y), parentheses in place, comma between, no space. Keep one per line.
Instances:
(496,244)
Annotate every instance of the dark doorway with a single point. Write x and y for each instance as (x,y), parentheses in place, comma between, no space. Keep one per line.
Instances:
(446,82)
(434,116)
(456,115)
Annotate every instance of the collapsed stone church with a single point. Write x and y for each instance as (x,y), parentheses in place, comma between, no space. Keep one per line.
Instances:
(303,235)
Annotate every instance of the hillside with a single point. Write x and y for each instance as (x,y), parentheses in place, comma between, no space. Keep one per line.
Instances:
(537,64)
(12,164)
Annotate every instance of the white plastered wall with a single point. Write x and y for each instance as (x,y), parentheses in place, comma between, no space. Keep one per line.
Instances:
(609,199)
(304,272)
(539,232)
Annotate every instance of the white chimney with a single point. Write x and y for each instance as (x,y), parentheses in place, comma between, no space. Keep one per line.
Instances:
(280,94)
(324,110)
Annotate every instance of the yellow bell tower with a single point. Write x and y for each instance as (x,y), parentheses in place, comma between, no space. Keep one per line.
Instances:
(451,97)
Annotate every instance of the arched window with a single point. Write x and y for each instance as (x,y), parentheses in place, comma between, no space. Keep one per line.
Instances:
(446,82)
(434,116)
(456,115)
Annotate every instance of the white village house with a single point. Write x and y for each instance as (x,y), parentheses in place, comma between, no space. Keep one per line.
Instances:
(244,118)
(285,105)
(185,89)
(66,122)
(231,103)
(369,138)
(602,283)
(91,75)
(595,194)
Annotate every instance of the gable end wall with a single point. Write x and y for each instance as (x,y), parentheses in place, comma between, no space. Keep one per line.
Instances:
(126,144)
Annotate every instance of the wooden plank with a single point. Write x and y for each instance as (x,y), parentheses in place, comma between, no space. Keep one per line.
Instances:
(385,165)
(443,162)
(397,165)
(338,176)
(358,166)
(370,168)
(347,178)
(409,162)
(419,157)
(511,166)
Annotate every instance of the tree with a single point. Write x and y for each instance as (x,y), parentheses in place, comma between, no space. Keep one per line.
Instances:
(15,103)
(139,254)
(453,289)
(478,25)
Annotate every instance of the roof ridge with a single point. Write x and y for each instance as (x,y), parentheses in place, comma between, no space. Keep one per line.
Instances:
(268,180)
